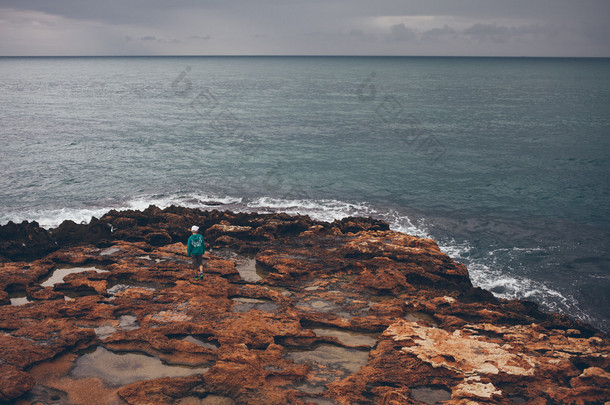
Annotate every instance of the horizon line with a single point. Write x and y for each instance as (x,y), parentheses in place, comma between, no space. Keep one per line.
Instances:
(301,56)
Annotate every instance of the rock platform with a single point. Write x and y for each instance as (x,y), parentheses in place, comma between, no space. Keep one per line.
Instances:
(290,311)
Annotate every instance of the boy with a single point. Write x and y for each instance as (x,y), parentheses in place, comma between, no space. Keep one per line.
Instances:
(196,247)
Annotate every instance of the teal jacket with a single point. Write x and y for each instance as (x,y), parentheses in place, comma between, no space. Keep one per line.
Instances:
(195,245)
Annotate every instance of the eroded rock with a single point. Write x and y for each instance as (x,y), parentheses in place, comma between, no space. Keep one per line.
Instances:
(283,330)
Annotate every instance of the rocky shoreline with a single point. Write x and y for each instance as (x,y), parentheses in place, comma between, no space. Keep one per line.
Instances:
(290,311)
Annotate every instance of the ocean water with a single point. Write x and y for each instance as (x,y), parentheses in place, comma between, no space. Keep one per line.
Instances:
(504,161)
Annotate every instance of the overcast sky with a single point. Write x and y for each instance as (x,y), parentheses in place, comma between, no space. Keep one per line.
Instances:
(306,27)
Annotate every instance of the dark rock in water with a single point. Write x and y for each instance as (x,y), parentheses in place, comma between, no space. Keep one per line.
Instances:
(357,224)
(25,241)
(290,311)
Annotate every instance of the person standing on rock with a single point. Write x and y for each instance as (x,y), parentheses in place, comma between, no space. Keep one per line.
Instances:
(195,247)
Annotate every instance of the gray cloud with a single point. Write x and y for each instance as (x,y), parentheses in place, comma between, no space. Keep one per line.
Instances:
(489,32)
(109,11)
(467,27)
(200,38)
(438,33)
(362,36)
(400,32)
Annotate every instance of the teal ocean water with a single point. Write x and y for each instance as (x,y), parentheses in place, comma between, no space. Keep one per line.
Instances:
(504,161)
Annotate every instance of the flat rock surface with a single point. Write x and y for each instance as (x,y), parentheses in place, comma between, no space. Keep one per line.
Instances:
(289,311)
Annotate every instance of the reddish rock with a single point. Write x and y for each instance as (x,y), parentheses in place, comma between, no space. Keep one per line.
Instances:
(224,229)
(14,382)
(382,275)
(162,391)
(298,331)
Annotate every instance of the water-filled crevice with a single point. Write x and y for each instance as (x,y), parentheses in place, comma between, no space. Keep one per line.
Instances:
(348,338)
(57,275)
(250,271)
(328,363)
(245,304)
(419,316)
(431,395)
(206,341)
(117,369)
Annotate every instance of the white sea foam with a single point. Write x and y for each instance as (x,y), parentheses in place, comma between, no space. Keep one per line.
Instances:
(502,282)
(52,218)
(320,210)
(187,200)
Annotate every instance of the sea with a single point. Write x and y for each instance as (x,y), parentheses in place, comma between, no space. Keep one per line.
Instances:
(505,162)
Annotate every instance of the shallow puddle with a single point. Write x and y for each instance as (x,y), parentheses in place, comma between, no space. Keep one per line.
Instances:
(309,388)
(200,342)
(318,401)
(243,304)
(147,257)
(19,300)
(332,357)
(110,251)
(126,322)
(117,288)
(118,369)
(348,338)
(55,386)
(431,395)
(421,316)
(248,269)
(282,290)
(57,276)
(102,332)
(41,395)
(329,363)
(320,305)
(209,400)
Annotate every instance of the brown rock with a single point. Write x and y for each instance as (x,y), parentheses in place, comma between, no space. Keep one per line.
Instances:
(158,239)
(300,332)
(14,382)
(160,391)
(234,231)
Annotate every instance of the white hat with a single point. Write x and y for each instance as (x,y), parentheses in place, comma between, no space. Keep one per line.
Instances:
(194,228)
